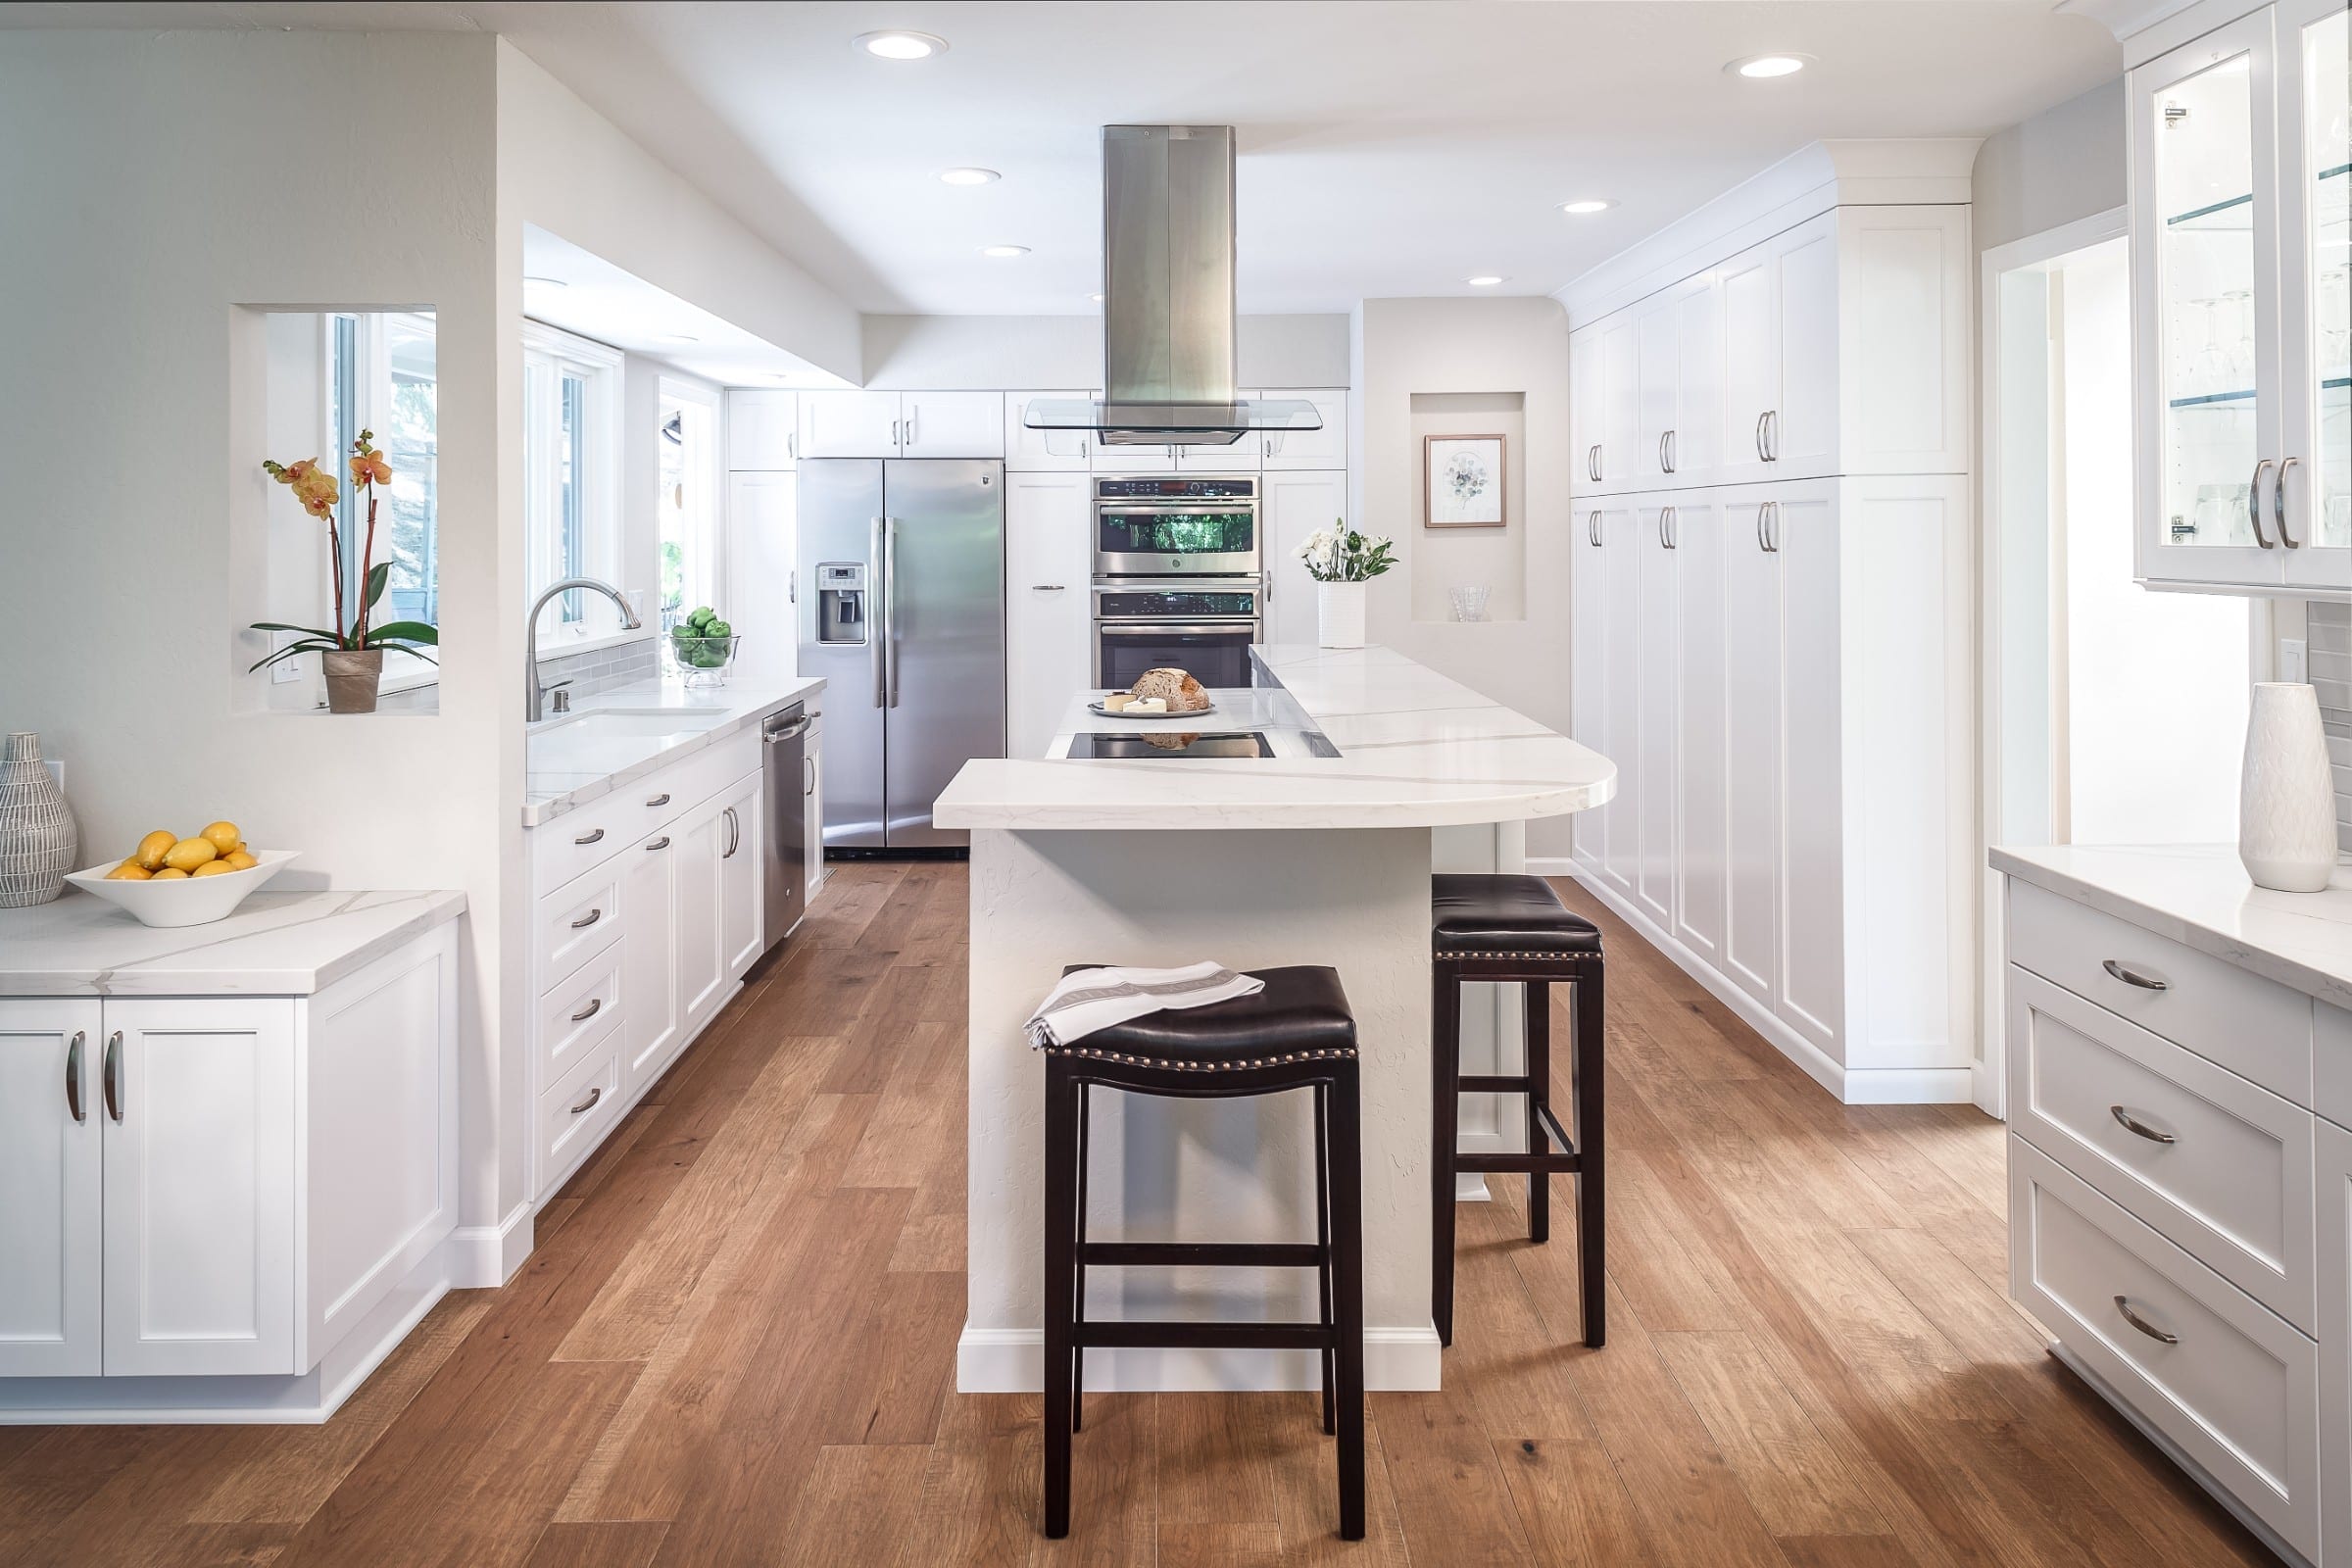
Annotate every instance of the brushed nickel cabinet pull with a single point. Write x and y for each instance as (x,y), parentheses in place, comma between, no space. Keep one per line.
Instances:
(2132,1124)
(590,838)
(2122,1305)
(2133,977)
(1761,456)
(2278,503)
(661,843)
(2254,506)
(588,920)
(596,1004)
(662,798)
(598,1093)
(109,1075)
(73,1102)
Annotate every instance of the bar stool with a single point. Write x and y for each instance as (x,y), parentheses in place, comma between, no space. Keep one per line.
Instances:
(1515,928)
(1295,1034)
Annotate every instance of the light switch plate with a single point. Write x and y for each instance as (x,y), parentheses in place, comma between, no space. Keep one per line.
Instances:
(2294,663)
(285,671)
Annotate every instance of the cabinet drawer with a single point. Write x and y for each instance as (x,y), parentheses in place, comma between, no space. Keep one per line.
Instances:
(575,922)
(2256,1029)
(580,1011)
(574,843)
(579,1110)
(2233,1386)
(660,799)
(2218,1165)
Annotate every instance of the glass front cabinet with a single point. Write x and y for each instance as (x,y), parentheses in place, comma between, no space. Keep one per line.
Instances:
(2241,162)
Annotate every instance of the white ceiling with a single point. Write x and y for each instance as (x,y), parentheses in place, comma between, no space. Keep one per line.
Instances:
(1388,147)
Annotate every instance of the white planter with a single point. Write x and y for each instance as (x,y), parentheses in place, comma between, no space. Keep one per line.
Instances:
(1340,614)
(2286,801)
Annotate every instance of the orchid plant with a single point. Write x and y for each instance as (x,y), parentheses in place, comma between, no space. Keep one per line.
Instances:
(1339,554)
(317,489)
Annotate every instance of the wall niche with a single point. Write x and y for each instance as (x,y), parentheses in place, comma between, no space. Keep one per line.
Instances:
(1443,559)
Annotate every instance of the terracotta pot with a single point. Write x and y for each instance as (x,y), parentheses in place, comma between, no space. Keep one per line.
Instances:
(352,676)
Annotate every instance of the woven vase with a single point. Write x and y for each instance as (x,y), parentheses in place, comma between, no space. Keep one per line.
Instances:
(38,839)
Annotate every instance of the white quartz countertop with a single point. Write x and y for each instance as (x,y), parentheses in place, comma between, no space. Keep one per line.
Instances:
(1417,748)
(574,759)
(2198,894)
(276,945)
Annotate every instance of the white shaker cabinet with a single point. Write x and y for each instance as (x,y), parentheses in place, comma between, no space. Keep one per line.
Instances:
(700,840)
(1588,690)
(742,851)
(762,543)
(951,425)
(2334,1172)
(1680,355)
(1804,531)
(1617,466)
(848,424)
(1656,653)
(762,428)
(1325,449)
(1701,798)
(51,1147)
(652,990)
(1049,566)
(1752,636)
(813,790)
(1615,730)
(1584,388)
(1028,451)
(1781,334)
(1291,509)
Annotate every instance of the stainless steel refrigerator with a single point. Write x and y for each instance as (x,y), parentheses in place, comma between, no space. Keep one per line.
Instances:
(902,609)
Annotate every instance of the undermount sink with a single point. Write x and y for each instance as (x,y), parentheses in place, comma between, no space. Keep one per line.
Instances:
(604,739)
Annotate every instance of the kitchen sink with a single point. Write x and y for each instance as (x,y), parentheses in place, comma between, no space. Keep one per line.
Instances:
(649,723)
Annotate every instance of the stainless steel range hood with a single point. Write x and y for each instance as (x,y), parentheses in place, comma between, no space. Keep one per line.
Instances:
(1167,300)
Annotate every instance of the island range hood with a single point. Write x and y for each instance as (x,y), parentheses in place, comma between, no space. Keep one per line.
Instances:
(1167,300)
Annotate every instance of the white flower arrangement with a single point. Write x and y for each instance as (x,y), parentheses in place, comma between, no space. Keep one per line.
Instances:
(1338,554)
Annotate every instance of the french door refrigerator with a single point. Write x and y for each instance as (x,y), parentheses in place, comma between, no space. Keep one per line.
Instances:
(902,609)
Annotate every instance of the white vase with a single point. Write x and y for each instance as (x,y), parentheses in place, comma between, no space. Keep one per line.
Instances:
(38,839)
(2286,799)
(1340,614)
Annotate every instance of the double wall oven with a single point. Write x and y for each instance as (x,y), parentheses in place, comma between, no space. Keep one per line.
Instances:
(1179,579)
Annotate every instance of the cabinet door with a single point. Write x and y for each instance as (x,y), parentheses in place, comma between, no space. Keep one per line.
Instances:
(1657,350)
(49,1143)
(655,1020)
(1049,563)
(201,1178)
(1747,289)
(742,861)
(2335,1345)
(1698,712)
(1621,553)
(1584,410)
(1693,447)
(762,428)
(1588,673)
(2312,503)
(952,424)
(702,838)
(849,425)
(1294,506)
(1804,531)
(812,788)
(1317,449)
(1752,632)
(1800,436)
(1657,650)
(1620,403)
(2205,302)
(1028,451)
(763,548)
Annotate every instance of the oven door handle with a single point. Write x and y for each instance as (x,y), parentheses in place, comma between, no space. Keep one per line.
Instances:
(1178,628)
(1112,509)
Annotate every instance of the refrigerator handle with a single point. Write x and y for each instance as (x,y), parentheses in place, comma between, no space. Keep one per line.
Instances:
(890,604)
(878,619)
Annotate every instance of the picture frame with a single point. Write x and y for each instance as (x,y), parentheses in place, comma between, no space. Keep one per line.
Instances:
(1464,480)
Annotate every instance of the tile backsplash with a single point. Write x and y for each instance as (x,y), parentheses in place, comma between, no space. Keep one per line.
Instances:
(599,669)
(2330,632)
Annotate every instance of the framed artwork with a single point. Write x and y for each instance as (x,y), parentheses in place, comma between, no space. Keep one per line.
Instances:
(1461,481)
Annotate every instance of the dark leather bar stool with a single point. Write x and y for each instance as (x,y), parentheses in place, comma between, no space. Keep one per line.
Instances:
(1515,928)
(1295,1034)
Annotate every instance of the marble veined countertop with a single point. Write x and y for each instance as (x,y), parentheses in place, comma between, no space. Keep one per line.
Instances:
(1417,748)
(569,759)
(2198,894)
(276,945)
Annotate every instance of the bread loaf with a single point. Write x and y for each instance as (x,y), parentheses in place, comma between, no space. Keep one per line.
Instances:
(1184,694)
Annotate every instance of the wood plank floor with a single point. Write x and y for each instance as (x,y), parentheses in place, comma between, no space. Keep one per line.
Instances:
(735,1344)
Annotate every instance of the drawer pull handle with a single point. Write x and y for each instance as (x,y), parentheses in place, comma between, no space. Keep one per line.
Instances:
(596,1004)
(2133,977)
(2132,1124)
(662,798)
(81,1112)
(598,1093)
(661,843)
(2122,1305)
(590,838)
(588,920)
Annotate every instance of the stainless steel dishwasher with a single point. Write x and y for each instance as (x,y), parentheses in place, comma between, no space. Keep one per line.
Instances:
(784,780)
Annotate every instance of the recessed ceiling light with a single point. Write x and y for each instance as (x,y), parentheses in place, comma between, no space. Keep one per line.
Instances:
(680,337)
(1769,65)
(1097,298)
(547,282)
(897,43)
(967,176)
(1485,281)
(1586,207)
(1003,252)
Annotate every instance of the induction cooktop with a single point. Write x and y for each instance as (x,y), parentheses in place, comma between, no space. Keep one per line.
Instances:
(1148,744)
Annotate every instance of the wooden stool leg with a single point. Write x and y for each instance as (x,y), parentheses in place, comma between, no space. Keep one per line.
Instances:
(1347,1267)
(1323,1241)
(1536,999)
(1086,1100)
(1591,1185)
(1445,1096)
(1061,1234)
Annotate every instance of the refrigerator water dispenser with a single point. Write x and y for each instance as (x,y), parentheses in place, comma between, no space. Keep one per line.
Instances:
(841,602)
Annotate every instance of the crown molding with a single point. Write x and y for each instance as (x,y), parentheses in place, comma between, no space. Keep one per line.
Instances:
(2147,28)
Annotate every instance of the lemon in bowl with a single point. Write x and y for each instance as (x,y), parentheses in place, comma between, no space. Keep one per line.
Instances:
(216,885)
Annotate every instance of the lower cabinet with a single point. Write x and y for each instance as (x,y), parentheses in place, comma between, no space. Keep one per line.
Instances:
(2334,1167)
(742,851)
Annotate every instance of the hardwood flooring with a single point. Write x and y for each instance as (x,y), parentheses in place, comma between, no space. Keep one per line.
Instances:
(735,1345)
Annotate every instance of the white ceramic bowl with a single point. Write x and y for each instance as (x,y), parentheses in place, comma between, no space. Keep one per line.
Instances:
(196,900)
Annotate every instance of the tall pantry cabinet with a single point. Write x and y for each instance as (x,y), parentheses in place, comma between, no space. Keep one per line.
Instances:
(1771,592)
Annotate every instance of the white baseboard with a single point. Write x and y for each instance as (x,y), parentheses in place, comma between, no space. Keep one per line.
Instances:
(482,1257)
(1013,1362)
(1854,1086)
(1550,865)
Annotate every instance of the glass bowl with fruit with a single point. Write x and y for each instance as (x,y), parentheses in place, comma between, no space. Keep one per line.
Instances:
(703,646)
(172,881)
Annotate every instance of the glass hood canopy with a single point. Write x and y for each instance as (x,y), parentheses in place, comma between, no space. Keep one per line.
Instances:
(1124,422)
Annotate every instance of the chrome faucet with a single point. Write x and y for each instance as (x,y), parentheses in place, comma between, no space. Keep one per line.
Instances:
(530,636)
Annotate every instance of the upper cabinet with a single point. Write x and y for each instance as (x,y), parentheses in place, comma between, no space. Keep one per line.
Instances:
(2241,156)
(902,424)
(1324,449)
(761,430)
(1028,451)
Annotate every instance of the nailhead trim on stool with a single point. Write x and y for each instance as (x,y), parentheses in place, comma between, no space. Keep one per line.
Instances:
(1235,1065)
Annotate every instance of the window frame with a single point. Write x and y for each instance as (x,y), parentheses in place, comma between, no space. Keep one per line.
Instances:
(707,475)
(550,356)
(369,387)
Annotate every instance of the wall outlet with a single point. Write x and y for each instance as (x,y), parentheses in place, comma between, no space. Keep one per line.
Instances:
(2294,663)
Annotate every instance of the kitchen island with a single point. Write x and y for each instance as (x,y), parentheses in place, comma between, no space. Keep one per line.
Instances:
(1315,849)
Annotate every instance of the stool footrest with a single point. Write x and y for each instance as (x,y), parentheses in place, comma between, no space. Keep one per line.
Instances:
(1472,1083)
(1564,1164)
(1204,1336)
(1551,1125)
(1170,1255)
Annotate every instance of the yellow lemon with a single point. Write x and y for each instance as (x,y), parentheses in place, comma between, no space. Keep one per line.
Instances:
(128,871)
(189,854)
(223,835)
(169,873)
(237,859)
(212,868)
(152,848)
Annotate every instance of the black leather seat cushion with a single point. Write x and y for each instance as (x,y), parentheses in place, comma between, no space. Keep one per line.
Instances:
(1488,916)
(1301,1014)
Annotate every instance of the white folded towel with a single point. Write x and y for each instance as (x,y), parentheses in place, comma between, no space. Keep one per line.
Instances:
(1089,1000)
